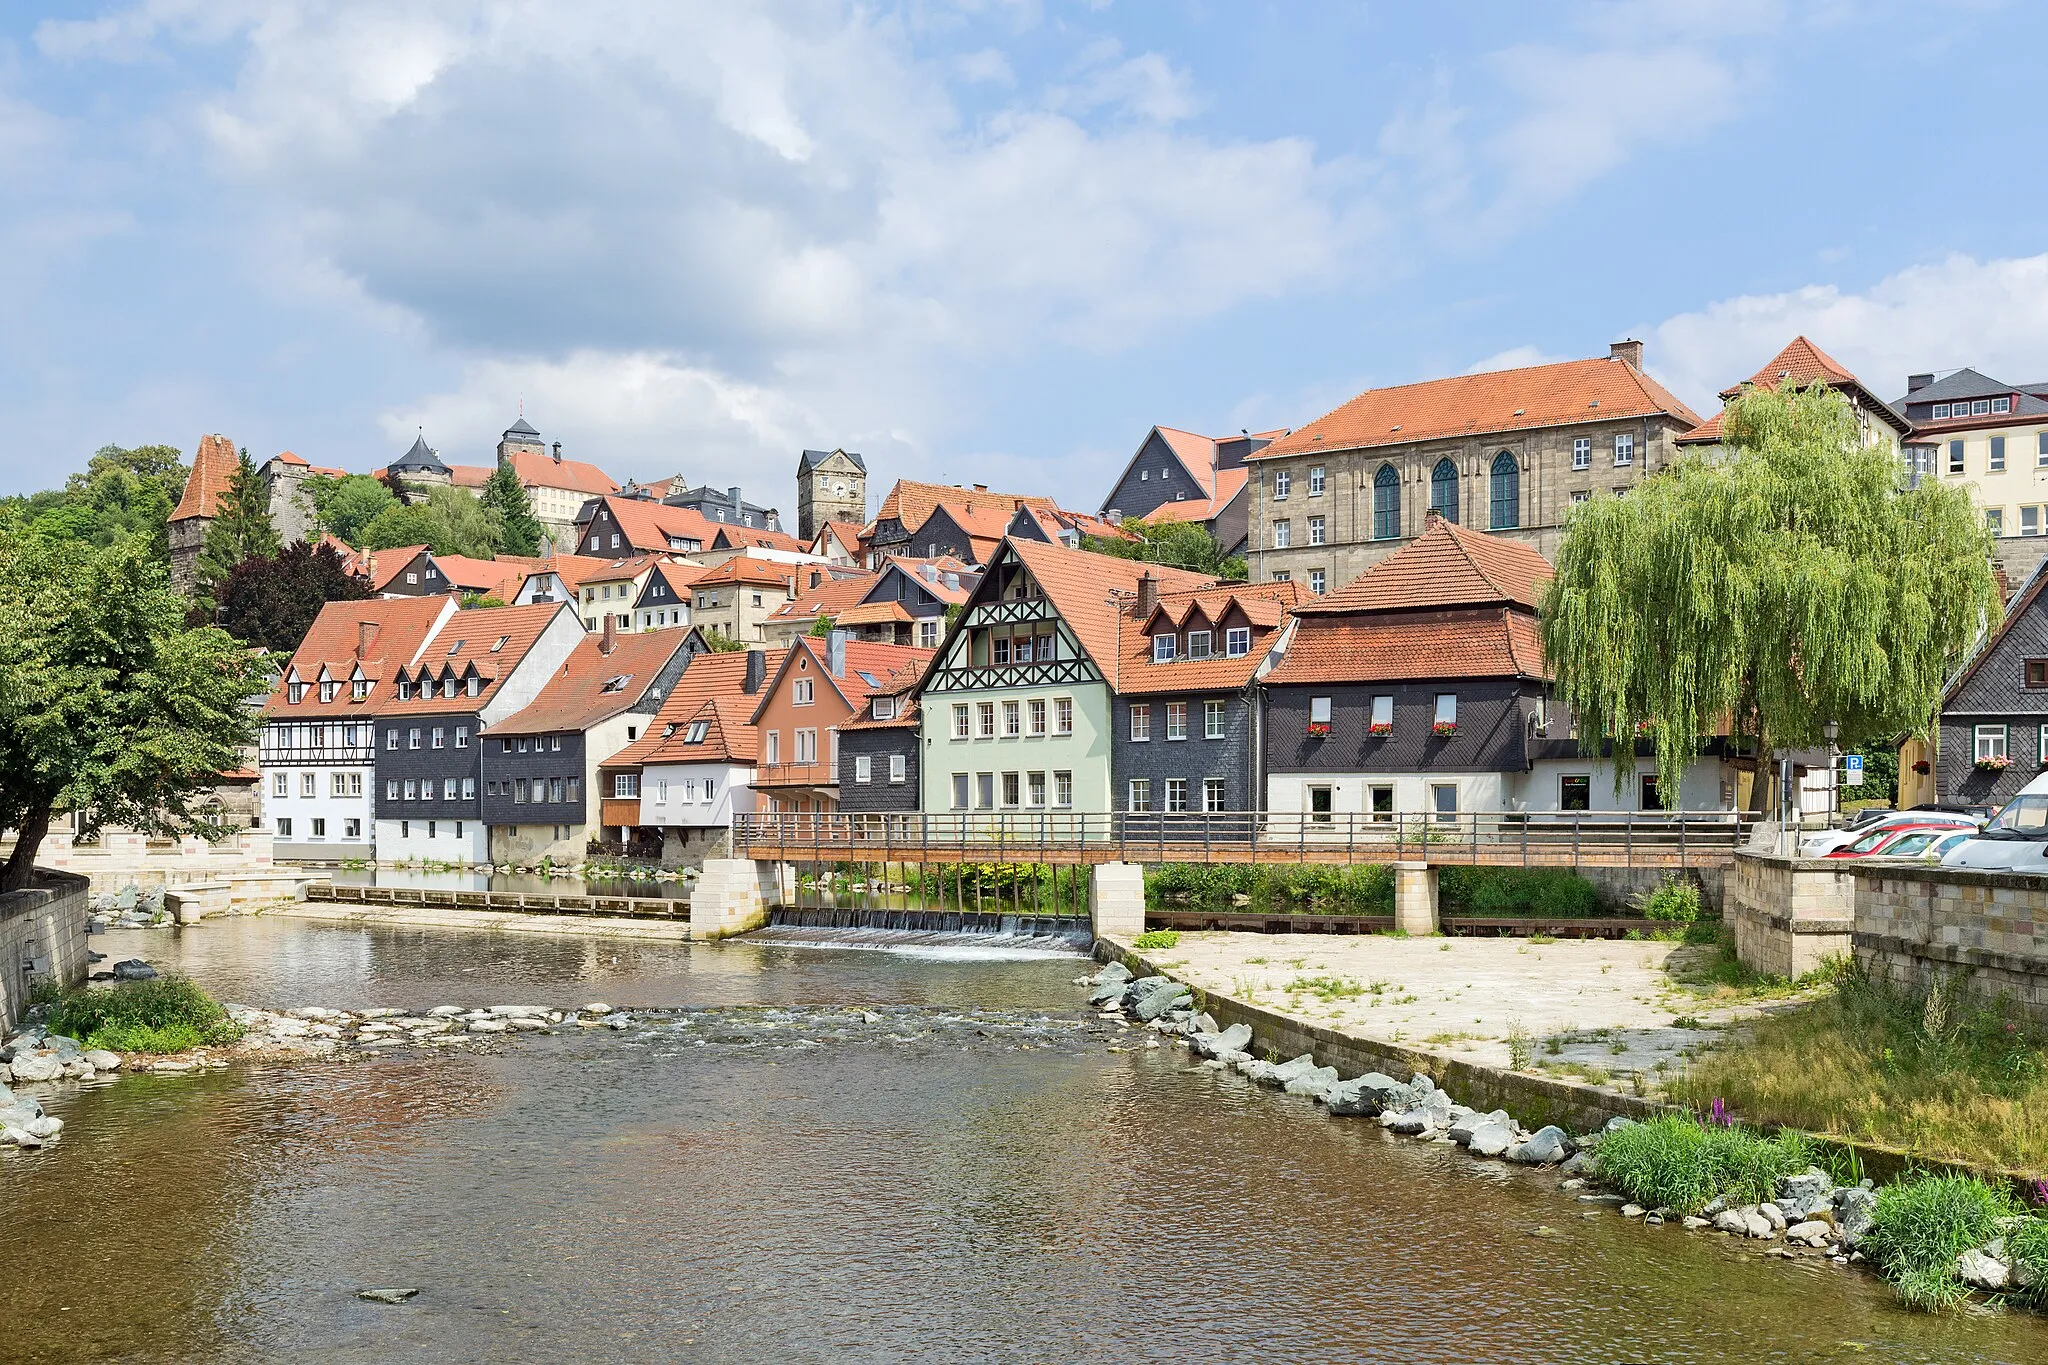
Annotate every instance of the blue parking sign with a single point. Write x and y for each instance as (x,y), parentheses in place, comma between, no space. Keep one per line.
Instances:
(1852,770)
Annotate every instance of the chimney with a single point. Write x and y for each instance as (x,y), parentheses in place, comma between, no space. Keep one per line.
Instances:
(366,635)
(1631,351)
(1917,382)
(1148,594)
(757,671)
(558,452)
(981,488)
(1114,517)
(835,653)
(611,634)
(734,493)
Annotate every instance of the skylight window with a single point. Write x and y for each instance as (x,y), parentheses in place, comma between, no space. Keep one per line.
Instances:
(698,729)
(456,648)
(615,684)
(501,643)
(868,678)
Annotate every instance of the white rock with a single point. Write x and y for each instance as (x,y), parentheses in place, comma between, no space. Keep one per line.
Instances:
(523,1024)
(1981,1270)
(171,1066)
(45,1127)
(37,1066)
(1813,1233)
(324,1030)
(1632,1210)
(518,1011)
(599,1007)
(10,1136)
(1774,1215)
(444,1011)
(103,1060)
(488,1026)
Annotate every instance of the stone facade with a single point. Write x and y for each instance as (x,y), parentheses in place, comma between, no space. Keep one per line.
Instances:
(1789,914)
(1916,925)
(42,938)
(831,485)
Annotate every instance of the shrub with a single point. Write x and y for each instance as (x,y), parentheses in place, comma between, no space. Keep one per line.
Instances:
(168,1014)
(1548,892)
(1156,938)
(1675,902)
(1674,1161)
(1361,889)
(2027,1246)
(1921,1224)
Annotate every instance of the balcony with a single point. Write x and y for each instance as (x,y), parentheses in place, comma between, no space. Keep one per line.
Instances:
(620,810)
(768,775)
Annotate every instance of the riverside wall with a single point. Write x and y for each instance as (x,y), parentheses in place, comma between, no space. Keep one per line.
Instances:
(1918,925)
(42,938)
(1789,914)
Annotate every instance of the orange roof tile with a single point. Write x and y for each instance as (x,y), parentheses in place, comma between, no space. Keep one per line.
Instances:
(732,537)
(470,638)
(384,566)
(470,475)
(1447,565)
(941,566)
(708,677)
(648,525)
(845,533)
(213,469)
(1801,362)
(865,659)
(1265,605)
(545,471)
(577,696)
(872,614)
(902,684)
(829,597)
(571,569)
(398,627)
(1474,404)
(747,569)
(500,577)
(910,503)
(1080,584)
(1483,642)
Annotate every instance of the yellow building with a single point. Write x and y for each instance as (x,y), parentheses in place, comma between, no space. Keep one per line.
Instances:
(1991,437)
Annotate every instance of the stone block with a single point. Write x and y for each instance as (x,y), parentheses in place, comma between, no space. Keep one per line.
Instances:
(1415,899)
(1116,899)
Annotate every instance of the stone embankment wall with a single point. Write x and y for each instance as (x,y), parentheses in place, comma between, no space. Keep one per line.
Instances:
(1916,925)
(1789,914)
(42,938)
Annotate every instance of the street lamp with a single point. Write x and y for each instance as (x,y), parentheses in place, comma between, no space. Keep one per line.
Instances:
(1829,731)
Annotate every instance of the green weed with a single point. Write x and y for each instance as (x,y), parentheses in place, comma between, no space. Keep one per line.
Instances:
(1922,1223)
(168,1014)
(1675,1161)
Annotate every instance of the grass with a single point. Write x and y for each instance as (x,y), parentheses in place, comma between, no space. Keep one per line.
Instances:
(1156,938)
(1932,1072)
(2027,1245)
(1368,889)
(168,1014)
(1327,987)
(1922,1223)
(1675,1161)
(1709,967)
(1521,1046)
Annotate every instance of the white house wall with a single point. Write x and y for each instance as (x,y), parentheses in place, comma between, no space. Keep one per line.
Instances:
(664,804)
(444,841)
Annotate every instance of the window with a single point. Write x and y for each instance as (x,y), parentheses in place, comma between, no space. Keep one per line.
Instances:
(1443,801)
(1447,708)
(1212,794)
(1176,720)
(1212,720)
(1176,795)
(412,577)
(1141,722)
(576,789)
(1237,641)
(985,720)
(1582,495)
(448,789)
(1990,742)
(1063,715)
(427,789)
(1998,455)
(985,790)
(309,784)
(1282,576)
(2030,521)
(1319,804)
(1315,481)
(462,737)
(625,784)
(412,789)
(412,738)
(863,769)
(1624,454)
(440,737)
(358,689)
(352,829)
(1035,708)
(328,687)
(1283,534)
(404,689)
(1647,797)
(2001,405)
(1979,406)
(281,785)
(1198,644)
(1144,476)
(1443,490)
(1940,410)
(469,788)
(2037,673)
(1386,503)
(1141,794)
(1381,802)
(2041,451)
(1955,457)
(927,634)
(284,828)
(1994,520)
(885,708)
(391,738)
(1063,789)
(803,692)
(1318,710)
(1162,649)
(1283,480)
(959,791)
(899,768)
(2042,756)
(1575,792)
(390,789)
(1013,722)
(806,746)
(522,742)
(1582,453)
(959,720)
(1011,791)
(1316,581)
(774,747)
(1315,531)
(1505,510)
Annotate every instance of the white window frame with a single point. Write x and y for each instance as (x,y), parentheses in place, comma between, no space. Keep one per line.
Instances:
(1141,722)
(1237,642)
(1317,581)
(1139,800)
(1176,720)
(863,769)
(961,790)
(1199,644)
(1176,796)
(1989,742)
(961,722)
(1063,790)
(1162,649)
(1436,811)
(1213,794)
(984,720)
(1624,449)
(1283,484)
(885,708)
(1316,480)
(1318,710)
(1283,534)
(1212,720)
(1034,711)
(1316,527)
(1013,719)
(1446,708)
(1063,715)
(899,768)
(803,692)
(1582,453)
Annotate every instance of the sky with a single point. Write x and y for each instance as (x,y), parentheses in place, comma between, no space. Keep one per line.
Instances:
(975,240)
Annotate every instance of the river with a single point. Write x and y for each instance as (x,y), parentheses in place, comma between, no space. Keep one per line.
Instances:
(974,1178)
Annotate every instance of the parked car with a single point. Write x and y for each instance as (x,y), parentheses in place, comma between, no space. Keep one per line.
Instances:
(1976,810)
(1828,840)
(1902,841)
(2016,840)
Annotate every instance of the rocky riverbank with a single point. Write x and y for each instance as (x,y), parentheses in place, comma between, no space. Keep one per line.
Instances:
(1810,1216)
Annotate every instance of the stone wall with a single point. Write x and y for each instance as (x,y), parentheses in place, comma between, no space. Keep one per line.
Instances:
(42,938)
(1915,924)
(1789,914)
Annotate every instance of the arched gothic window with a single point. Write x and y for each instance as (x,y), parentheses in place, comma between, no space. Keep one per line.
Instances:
(1506,494)
(1386,504)
(1443,489)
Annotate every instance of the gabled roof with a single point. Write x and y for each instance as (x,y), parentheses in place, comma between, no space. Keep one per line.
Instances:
(471,639)
(1228,483)
(545,471)
(679,577)
(867,665)
(624,569)
(399,626)
(1479,642)
(2021,603)
(648,525)
(1080,585)
(571,569)
(384,566)
(1447,565)
(832,595)
(1800,363)
(845,533)
(747,569)
(213,469)
(965,575)
(732,537)
(909,502)
(500,577)
(1964,383)
(581,692)
(520,427)
(1560,394)
(1265,605)
(902,685)
(708,677)
(813,458)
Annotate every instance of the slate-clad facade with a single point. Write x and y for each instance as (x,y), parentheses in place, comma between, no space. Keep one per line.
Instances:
(429,775)
(536,780)
(890,748)
(1998,707)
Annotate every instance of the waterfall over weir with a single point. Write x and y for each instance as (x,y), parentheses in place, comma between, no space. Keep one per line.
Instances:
(940,932)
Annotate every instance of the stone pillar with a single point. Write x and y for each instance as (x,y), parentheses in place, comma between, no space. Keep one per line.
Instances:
(1116,899)
(55,850)
(256,845)
(1415,899)
(732,895)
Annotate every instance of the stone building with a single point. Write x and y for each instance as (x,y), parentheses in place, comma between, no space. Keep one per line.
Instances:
(213,468)
(831,485)
(285,476)
(1507,451)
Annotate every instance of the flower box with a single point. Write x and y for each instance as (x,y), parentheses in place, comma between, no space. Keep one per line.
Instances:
(1922,767)
(1993,765)
(1444,729)
(1318,728)
(1381,728)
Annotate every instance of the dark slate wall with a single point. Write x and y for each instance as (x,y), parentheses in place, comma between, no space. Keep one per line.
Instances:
(1998,687)
(1957,777)
(879,794)
(428,762)
(1144,486)
(1490,734)
(565,763)
(1193,758)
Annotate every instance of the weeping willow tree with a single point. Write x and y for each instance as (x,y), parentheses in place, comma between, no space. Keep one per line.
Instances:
(1786,581)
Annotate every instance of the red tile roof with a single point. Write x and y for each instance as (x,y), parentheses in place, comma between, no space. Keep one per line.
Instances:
(213,469)
(902,684)
(1799,363)
(471,638)
(572,569)
(747,569)
(1447,565)
(1228,483)
(731,537)
(1080,585)
(1265,605)
(470,475)
(578,697)
(872,614)
(966,575)
(910,503)
(545,471)
(500,577)
(648,525)
(832,595)
(1480,642)
(399,626)
(709,677)
(864,659)
(1570,391)
(384,566)
(845,533)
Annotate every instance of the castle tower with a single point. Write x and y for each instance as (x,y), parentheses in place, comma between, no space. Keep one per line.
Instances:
(831,485)
(520,439)
(213,469)
(419,465)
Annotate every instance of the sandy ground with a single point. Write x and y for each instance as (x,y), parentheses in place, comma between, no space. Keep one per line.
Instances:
(510,921)
(1596,1009)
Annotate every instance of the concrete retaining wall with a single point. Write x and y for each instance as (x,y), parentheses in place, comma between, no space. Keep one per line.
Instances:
(1789,914)
(1915,924)
(42,938)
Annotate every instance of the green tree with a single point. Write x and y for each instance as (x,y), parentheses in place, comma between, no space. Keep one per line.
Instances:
(241,527)
(450,521)
(1176,544)
(822,627)
(721,643)
(519,530)
(108,705)
(272,602)
(1880,776)
(1792,581)
(119,493)
(345,507)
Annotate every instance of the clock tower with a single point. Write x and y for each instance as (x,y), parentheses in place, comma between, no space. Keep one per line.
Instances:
(831,485)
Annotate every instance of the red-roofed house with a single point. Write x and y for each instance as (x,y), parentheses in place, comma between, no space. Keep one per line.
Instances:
(822,684)
(1180,476)
(1507,451)
(820,591)
(1802,363)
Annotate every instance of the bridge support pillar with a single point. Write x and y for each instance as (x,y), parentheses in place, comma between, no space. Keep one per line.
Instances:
(732,895)
(1415,899)
(1116,899)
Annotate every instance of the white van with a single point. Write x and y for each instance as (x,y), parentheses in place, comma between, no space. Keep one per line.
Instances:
(2016,840)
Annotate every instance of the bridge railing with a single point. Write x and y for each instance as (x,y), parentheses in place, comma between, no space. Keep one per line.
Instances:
(1530,839)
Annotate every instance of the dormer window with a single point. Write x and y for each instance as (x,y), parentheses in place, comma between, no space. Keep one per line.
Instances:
(295,691)
(698,729)
(1198,644)
(404,689)
(476,686)
(614,684)
(359,689)
(885,708)
(1237,641)
(329,689)
(2001,405)
(1162,649)
(1940,410)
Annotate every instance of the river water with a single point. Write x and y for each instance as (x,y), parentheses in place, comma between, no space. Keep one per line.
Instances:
(974,1177)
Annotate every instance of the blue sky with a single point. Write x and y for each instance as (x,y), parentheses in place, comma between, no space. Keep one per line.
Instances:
(980,240)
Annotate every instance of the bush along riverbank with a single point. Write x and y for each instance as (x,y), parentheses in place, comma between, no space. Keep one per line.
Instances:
(1368,889)
(1937,1238)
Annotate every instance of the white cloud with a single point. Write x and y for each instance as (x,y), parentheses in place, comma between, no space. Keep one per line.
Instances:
(1989,315)
(1515,358)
